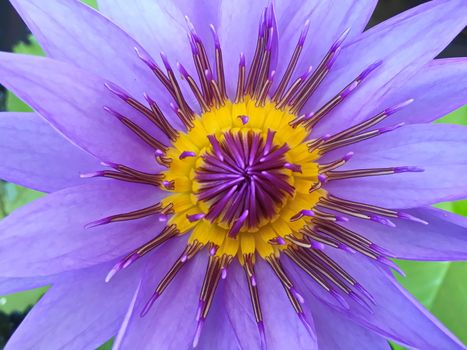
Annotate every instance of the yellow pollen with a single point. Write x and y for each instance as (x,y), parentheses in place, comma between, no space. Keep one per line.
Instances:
(263,238)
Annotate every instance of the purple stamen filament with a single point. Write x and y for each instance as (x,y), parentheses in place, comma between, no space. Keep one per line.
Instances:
(240,174)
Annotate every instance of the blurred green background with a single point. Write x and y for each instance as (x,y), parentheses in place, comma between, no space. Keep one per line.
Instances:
(440,286)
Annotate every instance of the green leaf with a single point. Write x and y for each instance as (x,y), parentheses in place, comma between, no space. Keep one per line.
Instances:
(21,301)
(424,279)
(107,345)
(92,3)
(450,303)
(14,196)
(456,117)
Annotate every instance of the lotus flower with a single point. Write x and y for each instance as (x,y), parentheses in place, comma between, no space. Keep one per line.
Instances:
(232,174)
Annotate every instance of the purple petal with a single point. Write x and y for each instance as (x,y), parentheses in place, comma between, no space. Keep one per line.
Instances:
(403,43)
(439,88)
(72,32)
(282,325)
(10,285)
(238,32)
(160,26)
(218,333)
(80,311)
(439,149)
(73,101)
(336,332)
(328,20)
(239,310)
(444,238)
(396,315)
(171,320)
(34,154)
(48,235)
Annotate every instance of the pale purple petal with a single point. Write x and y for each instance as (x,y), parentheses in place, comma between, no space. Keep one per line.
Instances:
(444,237)
(284,328)
(218,333)
(282,325)
(73,101)
(438,88)
(438,149)
(327,21)
(48,236)
(10,285)
(72,32)
(238,31)
(396,315)
(403,43)
(171,321)
(160,26)
(36,156)
(80,311)
(239,309)
(336,332)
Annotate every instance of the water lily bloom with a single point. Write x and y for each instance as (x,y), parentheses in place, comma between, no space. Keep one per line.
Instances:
(232,174)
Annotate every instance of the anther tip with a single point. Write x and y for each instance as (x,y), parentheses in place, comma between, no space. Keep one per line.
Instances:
(297,295)
(159,153)
(340,218)
(208,75)
(262,335)
(333,59)
(348,156)
(304,33)
(111,273)
(195,217)
(242,60)
(97,223)
(187,154)
(398,107)
(116,90)
(182,70)
(406,216)
(145,58)
(244,119)
(90,175)
(337,44)
(317,245)
(149,304)
(391,264)
(165,61)
(348,90)
(340,299)
(215,36)
(110,165)
(199,328)
(408,169)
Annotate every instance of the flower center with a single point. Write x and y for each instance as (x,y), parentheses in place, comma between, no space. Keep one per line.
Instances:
(239,175)
(242,179)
